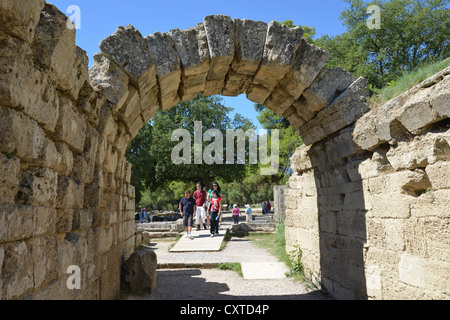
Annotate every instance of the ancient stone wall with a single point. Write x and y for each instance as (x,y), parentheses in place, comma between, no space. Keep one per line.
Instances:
(65,193)
(368,205)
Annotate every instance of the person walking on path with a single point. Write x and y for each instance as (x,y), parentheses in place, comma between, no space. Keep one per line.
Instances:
(264,208)
(248,212)
(215,211)
(236,214)
(268,207)
(143,215)
(200,200)
(187,208)
(214,186)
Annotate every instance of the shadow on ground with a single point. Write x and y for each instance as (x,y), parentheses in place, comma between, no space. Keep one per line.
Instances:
(193,284)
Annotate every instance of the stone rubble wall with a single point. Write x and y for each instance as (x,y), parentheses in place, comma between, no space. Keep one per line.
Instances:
(368,205)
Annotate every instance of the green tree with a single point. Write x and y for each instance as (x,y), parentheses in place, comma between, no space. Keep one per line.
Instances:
(412,32)
(150,152)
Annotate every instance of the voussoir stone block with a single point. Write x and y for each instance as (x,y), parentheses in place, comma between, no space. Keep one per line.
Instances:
(192,48)
(329,84)
(309,61)
(280,50)
(250,40)
(19,18)
(111,77)
(220,35)
(168,68)
(129,50)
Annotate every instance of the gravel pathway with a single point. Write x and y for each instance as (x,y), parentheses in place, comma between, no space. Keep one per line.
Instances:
(214,284)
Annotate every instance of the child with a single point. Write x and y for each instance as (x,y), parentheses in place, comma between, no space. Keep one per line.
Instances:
(236,214)
(187,208)
(215,211)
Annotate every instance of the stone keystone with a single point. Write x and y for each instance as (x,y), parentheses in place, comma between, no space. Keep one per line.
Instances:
(128,49)
(220,35)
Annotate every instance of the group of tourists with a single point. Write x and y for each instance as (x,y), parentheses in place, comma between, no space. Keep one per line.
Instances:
(205,207)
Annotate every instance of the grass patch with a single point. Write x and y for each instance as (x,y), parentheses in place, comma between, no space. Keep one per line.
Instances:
(406,82)
(275,244)
(234,266)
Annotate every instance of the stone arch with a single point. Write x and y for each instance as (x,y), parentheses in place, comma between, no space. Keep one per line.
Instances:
(66,197)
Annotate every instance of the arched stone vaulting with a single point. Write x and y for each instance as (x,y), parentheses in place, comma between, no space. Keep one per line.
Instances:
(270,63)
(65,193)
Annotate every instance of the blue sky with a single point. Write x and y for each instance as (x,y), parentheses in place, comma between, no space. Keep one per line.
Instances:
(100,18)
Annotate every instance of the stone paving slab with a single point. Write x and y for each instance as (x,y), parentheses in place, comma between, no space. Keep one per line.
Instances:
(201,240)
(264,270)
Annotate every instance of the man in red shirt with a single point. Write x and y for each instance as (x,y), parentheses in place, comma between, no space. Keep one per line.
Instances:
(200,200)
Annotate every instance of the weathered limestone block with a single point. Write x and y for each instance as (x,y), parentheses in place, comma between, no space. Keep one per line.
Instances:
(168,69)
(20,18)
(250,40)
(411,111)
(43,253)
(328,85)
(66,163)
(309,61)
(440,97)
(39,100)
(344,110)
(17,273)
(192,48)
(16,222)
(44,219)
(420,152)
(129,50)
(38,187)
(141,272)
(439,174)
(220,35)
(302,109)
(111,77)
(54,47)
(131,107)
(70,193)
(280,50)
(10,178)
(295,120)
(50,157)
(20,135)
(300,160)
(71,127)
(421,272)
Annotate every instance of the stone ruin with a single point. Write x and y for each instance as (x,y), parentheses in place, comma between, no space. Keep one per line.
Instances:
(368,203)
